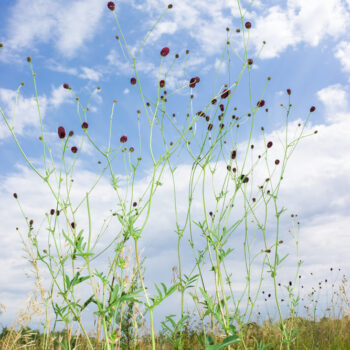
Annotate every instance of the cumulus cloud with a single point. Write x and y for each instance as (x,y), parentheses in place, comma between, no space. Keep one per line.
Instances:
(59,96)
(342,52)
(280,26)
(335,100)
(296,23)
(22,115)
(90,74)
(63,24)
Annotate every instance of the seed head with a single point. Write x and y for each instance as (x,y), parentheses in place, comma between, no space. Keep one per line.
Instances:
(210,126)
(74,149)
(248,25)
(72,225)
(71,133)
(61,132)
(261,103)
(225,93)
(57,212)
(165,51)
(133,81)
(66,86)
(244,178)
(193,82)
(170,6)
(289,91)
(15,195)
(312,109)
(213,101)
(233,154)
(1,45)
(187,52)
(123,139)
(250,61)
(131,149)
(29,59)
(85,125)
(111,5)
(222,107)
(269,144)
(134,204)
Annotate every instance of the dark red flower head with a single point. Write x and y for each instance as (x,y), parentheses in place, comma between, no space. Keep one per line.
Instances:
(277,161)
(162,83)
(111,5)
(61,132)
(85,125)
(269,144)
(289,91)
(65,86)
(213,101)
(52,211)
(133,81)
(250,61)
(233,154)
(123,139)
(244,178)
(165,51)
(312,109)
(71,133)
(261,103)
(193,82)
(225,93)
(197,79)
(222,107)
(15,195)
(248,25)
(210,126)
(74,149)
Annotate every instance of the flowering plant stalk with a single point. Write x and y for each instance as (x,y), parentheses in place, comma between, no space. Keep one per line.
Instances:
(71,252)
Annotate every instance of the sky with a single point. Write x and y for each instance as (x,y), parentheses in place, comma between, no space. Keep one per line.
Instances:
(307,50)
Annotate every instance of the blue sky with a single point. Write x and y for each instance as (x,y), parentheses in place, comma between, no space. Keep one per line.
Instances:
(307,50)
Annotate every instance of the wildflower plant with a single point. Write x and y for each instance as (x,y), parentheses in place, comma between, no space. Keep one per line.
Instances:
(207,139)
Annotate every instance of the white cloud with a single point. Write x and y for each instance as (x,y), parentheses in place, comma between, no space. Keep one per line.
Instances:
(90,74)
(335,99)
(126,91)
(26,112)
(57,67)
(307,22)
(280,26)
(59,96)
(343,54)
(66,25)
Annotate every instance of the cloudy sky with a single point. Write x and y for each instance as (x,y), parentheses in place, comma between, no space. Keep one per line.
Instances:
(307,50)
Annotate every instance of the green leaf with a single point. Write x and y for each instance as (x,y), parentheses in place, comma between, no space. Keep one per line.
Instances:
(232,339)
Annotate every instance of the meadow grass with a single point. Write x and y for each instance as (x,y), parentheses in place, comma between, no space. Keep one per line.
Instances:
(118,291)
